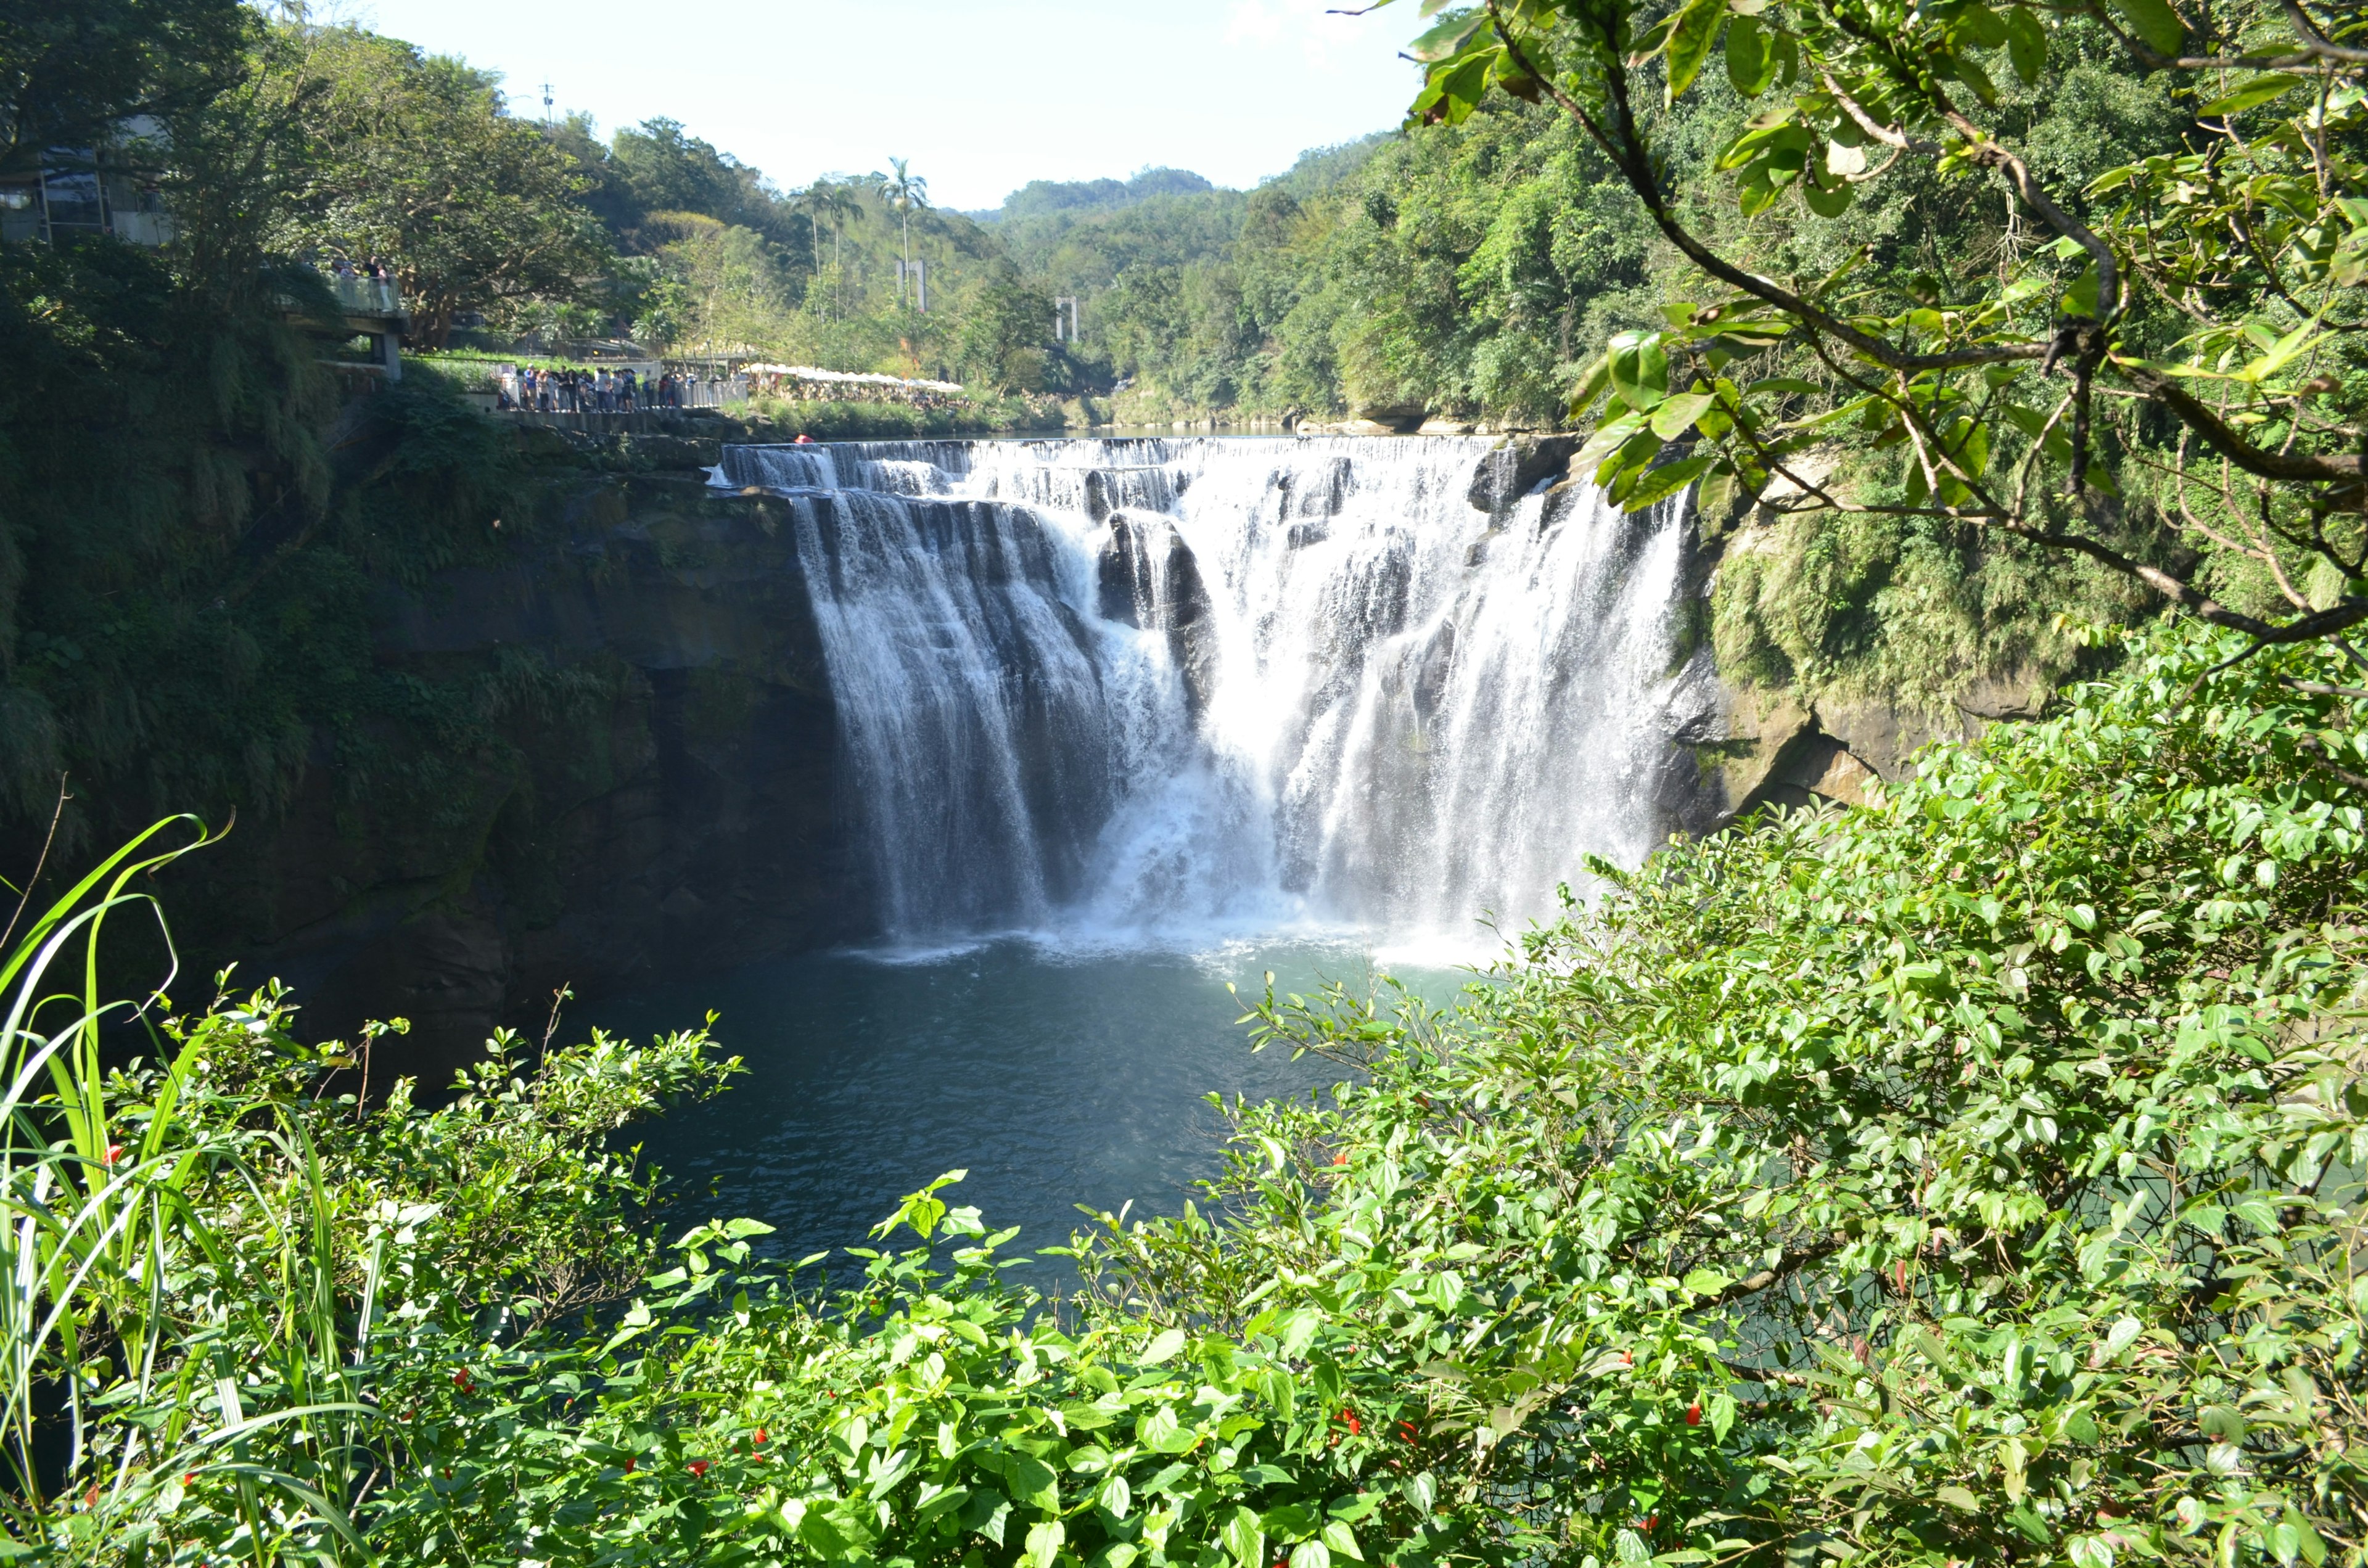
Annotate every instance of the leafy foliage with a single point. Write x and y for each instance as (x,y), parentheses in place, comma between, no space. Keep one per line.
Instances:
(1972,1177)
(2210,283)
(413,159)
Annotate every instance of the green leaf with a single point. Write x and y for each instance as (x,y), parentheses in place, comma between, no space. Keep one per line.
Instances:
(1689,42)
(1162,1433)
(2089,1551)
(1608,438)
(2156,22)
(1034,1482)
(1677,416)
(1162,1347)
(1590,386)
(1311,1554)
(1750,56)
(2222,1422)
(1969,71)
(2080,299)
(2251,94)
(1244,1538)
(2282,353)
(1985,27)
(1044,1543)
(1959,1498)
(1448,35)
(1714,498)
(1666,480)
(1828,200)
(1342,1540)
(1640,369)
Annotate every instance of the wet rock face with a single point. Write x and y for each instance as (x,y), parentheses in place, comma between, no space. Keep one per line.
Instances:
(677,813)
(1148,577)
(1514,469)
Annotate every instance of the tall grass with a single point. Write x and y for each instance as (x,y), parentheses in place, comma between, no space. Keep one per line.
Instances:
(137,1356)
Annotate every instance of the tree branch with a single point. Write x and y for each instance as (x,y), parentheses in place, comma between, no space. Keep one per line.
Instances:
(1785,1268)
(1627,154)
(2343,469)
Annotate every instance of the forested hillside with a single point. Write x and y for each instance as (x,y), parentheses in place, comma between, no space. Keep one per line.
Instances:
(1471,267)
(1970,1176)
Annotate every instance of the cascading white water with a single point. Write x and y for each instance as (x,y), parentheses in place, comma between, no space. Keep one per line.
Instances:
(1163,690)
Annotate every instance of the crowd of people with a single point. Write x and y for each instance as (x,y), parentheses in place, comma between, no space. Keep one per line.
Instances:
(602,391)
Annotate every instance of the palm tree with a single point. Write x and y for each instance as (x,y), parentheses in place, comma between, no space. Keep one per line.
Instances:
(826,201)
(904,192)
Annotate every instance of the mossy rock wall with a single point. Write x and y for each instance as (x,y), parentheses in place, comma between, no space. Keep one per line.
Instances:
(665,803)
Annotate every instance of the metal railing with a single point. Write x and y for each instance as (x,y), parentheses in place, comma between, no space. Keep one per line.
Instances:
(366,296)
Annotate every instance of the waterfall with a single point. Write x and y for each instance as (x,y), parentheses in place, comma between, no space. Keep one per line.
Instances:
(1172,690)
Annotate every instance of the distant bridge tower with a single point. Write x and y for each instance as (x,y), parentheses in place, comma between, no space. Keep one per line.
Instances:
(1064,319)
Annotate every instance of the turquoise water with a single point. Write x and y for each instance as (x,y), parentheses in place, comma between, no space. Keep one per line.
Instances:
(1054,1080)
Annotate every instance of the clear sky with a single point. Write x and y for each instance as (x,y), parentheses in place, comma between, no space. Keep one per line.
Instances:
(982,96)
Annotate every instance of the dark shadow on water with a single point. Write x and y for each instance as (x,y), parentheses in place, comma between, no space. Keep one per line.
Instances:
(1055,1081)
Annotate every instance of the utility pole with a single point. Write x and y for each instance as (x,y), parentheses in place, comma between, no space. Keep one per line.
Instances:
(547,120)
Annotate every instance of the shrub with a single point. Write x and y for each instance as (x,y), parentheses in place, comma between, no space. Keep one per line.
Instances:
(1972,1177)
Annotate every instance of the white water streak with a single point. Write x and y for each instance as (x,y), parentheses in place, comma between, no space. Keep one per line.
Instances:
(1411,714)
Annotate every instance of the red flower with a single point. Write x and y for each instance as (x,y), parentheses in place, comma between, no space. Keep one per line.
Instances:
(699,1466)
(1341,1158)
(760,1436)
(189,1478)
(630,1463)
(1355,1426)
(1407,1430)
(461,1381)
(1693,1414)
(114,1152)
(90,1500)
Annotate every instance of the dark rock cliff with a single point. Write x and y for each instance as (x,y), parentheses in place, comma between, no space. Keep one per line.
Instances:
(665,801)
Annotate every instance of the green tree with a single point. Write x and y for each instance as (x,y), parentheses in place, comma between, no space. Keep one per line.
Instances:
(1005,341)
(416,161)
(733,288)
(2173,359)
(657,166)
(70,75)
